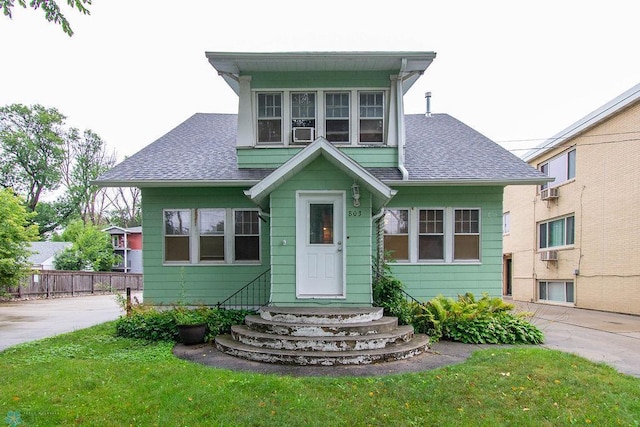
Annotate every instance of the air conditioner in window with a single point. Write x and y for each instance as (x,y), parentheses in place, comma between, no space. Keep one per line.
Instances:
(549,194)
(549,256)
(303,134)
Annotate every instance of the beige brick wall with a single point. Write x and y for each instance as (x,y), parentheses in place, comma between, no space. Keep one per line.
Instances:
(605,199)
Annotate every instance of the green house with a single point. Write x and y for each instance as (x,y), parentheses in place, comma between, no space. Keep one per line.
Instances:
(291,201)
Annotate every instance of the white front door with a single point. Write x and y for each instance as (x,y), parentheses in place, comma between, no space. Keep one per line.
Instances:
(320,242)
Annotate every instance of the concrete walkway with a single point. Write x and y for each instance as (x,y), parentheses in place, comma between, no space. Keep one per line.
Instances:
(610,338)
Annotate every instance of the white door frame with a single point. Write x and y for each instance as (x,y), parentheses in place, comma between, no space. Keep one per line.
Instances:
(330,277)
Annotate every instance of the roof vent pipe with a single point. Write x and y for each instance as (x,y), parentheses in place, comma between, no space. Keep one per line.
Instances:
(427,96)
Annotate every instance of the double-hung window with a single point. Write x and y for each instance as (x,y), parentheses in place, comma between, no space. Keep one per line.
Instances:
(556,233)
(431,234)
(247,235)
(371,116)
(445,235)
(337,112)
(466,241)
(270,117)
(562,168)
(303,109)
(177,231)
(211,231)
(204,236)
(396,234)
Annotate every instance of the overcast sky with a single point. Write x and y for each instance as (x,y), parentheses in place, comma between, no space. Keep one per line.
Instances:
(516,71)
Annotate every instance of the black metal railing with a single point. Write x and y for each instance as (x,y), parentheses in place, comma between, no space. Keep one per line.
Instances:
(251,296)
(410,298)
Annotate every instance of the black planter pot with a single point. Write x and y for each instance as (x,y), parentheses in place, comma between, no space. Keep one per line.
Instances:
(192,334)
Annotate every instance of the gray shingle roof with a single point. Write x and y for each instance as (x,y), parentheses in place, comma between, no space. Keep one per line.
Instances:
(202,151)
(42,251)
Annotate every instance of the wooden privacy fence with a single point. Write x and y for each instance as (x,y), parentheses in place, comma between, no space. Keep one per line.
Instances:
(60,283)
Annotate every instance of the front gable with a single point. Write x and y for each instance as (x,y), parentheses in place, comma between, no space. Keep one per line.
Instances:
(381,193)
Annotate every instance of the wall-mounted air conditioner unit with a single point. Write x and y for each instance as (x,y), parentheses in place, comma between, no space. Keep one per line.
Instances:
(303,134)
(549,256)
(549,194)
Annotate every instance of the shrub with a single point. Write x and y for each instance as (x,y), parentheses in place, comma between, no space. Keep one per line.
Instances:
(161,325)
(388,293)
(485,321)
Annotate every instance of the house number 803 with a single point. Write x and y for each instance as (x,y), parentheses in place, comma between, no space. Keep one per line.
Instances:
(355,213)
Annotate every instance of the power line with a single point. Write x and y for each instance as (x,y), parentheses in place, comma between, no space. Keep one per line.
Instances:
(581,145)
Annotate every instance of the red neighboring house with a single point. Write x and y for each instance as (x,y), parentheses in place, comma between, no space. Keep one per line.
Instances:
(127,242)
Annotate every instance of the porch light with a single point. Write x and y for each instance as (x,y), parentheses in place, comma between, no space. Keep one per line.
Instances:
(355,193)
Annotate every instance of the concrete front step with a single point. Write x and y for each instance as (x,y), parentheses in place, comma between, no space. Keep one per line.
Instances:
(321,315)
(320,329)
(249,336)
(398,351)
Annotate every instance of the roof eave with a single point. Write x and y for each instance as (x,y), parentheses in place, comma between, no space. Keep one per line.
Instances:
(467,182)
(175,183)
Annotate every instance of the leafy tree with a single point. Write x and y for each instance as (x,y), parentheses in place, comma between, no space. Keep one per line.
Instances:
(126,206)
(32,146)
(86,159)
(52,12)
(91,248)
(15,233)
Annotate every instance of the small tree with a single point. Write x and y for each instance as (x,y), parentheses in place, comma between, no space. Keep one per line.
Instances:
(15,235)
(91,249)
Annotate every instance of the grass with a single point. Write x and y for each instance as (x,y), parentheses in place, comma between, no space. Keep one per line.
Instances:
(90,377)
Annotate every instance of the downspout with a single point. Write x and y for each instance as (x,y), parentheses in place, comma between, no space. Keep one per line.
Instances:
(402,76)
(400,121)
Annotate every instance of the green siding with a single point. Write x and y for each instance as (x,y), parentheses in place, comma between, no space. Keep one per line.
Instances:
(368,157)
(320,175)
(321,79)
(203,284)
(425,281)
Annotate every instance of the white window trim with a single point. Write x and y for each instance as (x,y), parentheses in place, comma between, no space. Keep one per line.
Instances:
(385,114)
(547,162)
(354,114)
(229,239)
(550,301)
(449,234)
(284,112)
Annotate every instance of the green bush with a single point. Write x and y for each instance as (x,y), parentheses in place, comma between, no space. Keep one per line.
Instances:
(161,325)
(484,321)
(388,293)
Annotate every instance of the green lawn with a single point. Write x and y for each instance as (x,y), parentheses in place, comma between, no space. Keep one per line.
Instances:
(90,377)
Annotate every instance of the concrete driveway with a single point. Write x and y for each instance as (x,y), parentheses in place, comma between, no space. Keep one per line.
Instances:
(22,321)
(599,336)
(610,338)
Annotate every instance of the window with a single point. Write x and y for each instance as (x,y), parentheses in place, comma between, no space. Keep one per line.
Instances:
(431,234)
(562,168)
(506,223)
(371,116)
(337,113)
(202,236)
(396,234)
(445,235)
(556,291)
(211,231)
(269,117)
(466,240)
(559,232)
(177,226)
(303,109)
(247,236)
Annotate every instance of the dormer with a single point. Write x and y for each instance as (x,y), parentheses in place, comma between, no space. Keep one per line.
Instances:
(352,99)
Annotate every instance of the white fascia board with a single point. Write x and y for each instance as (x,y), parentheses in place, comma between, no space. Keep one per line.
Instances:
(468,182)
(612,107)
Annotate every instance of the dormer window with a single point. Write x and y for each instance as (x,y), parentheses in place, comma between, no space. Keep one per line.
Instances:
(303,116)
(270,117)
(337,116)
(371,116)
